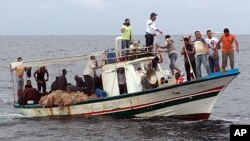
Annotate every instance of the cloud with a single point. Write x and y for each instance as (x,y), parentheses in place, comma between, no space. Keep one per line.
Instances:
(194,3)
(91,4)
(46,6)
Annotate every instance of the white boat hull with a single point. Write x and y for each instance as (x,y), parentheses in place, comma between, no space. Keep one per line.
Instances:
(189,100)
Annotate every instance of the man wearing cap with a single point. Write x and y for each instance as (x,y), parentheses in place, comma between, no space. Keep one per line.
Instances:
(126,35)
(227,40)
(151,30)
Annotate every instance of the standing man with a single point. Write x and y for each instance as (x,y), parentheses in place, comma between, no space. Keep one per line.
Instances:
(227,40)
(19,68)
(122,81)
(126,35)
(88,74)
(39,77)
(189,55)
(62,81)
(151,30)
(201,50)
(213,57)
(169,47)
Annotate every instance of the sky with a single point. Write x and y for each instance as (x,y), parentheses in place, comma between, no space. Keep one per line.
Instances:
(105,17)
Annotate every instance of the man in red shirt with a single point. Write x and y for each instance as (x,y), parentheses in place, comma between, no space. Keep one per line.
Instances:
(227,40)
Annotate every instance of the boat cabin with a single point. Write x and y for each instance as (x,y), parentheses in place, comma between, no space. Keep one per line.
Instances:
(132,72)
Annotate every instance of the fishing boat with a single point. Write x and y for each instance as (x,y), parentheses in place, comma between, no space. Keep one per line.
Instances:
(190,100)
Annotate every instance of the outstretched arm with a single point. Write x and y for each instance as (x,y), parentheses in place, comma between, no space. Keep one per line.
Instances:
(161,60)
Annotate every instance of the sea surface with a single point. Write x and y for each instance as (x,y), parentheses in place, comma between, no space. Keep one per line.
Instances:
(233,107)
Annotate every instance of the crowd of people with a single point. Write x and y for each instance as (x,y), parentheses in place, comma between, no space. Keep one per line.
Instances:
(196,52)
(28,92)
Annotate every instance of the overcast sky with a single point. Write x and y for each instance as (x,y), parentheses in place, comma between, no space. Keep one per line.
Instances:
(105,17)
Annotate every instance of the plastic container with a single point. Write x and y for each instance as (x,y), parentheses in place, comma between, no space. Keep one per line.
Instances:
(111,56)
(100,93)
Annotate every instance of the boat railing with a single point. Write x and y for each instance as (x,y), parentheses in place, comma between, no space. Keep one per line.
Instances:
(129,54)
(109,56)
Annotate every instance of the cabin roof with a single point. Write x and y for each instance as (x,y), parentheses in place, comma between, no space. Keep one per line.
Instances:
(125,63)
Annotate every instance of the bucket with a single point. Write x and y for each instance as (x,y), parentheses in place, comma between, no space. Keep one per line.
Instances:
(111,56)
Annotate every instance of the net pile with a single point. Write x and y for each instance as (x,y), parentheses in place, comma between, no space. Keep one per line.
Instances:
(61,98)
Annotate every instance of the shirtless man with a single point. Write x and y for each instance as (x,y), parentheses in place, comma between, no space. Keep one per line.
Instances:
(20,69)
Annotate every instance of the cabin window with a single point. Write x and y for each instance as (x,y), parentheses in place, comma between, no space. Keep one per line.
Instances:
(139,70)
(122,80)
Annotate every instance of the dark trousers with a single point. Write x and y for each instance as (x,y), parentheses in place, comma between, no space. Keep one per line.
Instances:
(89,84)
(214,64)
(149,39)
(41,85)
(123,88)
(187,68)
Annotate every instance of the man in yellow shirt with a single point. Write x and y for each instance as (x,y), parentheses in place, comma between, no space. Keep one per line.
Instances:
(126,35)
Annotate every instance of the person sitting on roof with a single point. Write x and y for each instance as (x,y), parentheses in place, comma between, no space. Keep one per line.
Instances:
(179,79)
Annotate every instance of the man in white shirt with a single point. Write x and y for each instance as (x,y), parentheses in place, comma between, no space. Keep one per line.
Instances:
(201,54)
(213,57)
(88,74)
(151,30)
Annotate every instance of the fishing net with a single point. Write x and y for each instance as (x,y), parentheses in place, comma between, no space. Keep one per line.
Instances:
(61,98)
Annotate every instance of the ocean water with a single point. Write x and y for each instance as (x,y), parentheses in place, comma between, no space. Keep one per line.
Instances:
(231,108)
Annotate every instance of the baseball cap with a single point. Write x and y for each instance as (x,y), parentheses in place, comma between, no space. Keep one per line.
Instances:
(153,14)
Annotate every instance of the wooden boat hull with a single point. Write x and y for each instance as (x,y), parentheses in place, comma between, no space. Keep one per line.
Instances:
(193,100)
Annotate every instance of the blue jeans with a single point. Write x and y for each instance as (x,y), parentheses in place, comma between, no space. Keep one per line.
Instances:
(125,45)
(20,83)
(213,63)
(201,59)
(173,58)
